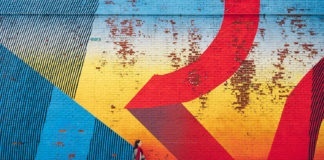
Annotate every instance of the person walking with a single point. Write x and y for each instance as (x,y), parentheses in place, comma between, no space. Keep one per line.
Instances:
(138,152)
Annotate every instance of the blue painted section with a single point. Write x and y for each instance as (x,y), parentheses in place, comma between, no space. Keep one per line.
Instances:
(203,7)
(67,131)
(160,7)
(24,99)
(48,6)
(315,7)
(107,145)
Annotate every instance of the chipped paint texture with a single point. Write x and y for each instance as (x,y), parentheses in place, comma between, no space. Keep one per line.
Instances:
(70,72)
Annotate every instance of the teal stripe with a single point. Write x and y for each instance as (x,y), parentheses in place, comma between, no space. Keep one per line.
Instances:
(67,131)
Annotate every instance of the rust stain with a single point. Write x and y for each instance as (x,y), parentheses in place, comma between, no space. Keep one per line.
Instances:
(175,60)
(262,32)
(203,101)
(17,143)
(72,156)
(254,45)
(102,61)
(109,2)
(279,75)
(113,27)
(62,130)
(186,55)
(166,30)
(289,10)
(281,22)
(194,78)
(312,33)
(139,22)
(175,36)
(59,144)
(307,47)
(175,56)
(126,53)
(127,28)
(122,33)
(298,22)
(133,2)
(194,38)
(282,53)
(241,83)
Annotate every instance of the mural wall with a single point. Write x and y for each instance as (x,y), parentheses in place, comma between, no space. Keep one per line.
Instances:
(217,79)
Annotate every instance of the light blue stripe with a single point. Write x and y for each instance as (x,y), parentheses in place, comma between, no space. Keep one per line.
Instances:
(203,7)
(161,7)
(67,131)
(315,7)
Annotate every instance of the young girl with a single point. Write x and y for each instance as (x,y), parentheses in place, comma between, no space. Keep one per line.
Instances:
(138,152)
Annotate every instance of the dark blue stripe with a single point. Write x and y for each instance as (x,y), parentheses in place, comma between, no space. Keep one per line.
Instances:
(24,99)
(107,145)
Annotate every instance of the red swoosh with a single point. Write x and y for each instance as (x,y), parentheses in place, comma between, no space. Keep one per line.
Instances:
(220,60)
(158,104)
(301,118)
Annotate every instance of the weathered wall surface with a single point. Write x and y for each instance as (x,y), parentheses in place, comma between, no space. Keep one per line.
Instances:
(218,79)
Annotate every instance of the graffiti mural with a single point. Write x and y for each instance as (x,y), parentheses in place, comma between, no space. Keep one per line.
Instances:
(218,79)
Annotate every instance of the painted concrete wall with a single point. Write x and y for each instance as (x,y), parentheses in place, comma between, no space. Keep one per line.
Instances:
(218,79)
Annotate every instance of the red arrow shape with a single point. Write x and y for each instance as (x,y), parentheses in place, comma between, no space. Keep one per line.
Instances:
(180,132)
(220,60)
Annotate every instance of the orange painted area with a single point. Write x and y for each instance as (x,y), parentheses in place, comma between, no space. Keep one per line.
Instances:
(319,152)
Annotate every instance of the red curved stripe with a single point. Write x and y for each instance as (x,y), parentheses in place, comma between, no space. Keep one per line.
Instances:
(292,136)
(301,118)
(220,60)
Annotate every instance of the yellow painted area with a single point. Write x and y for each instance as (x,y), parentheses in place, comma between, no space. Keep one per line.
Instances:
(106,90)
(241,132)
(319,152)
(106,86)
